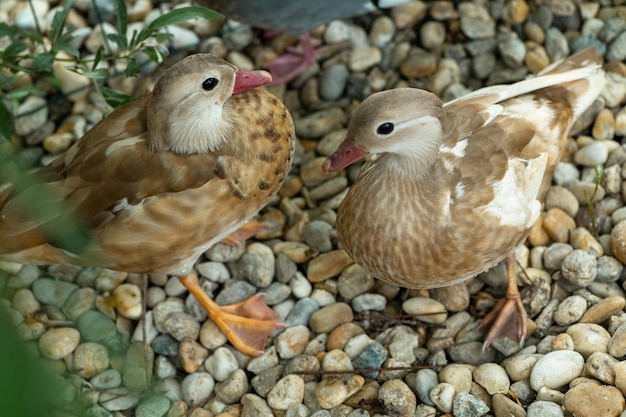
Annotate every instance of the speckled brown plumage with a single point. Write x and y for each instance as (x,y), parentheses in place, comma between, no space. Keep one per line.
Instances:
(452,189)
(162,179)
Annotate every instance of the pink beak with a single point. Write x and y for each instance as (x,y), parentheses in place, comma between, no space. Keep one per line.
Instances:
(247,80)
(346,154)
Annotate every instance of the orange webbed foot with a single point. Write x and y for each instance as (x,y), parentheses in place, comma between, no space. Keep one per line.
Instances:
(508,317)
(246,324)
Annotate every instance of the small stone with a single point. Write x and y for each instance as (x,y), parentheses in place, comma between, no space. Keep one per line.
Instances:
(554,255)
(37,114)
(570,310)
(382,31)
(471,353)
(118,399)
(561,197)
(492,377)
(544,409)
(512,50)
(292,342)
(503,406)
(289,390)
(592,154)
(579,268)
(57,343)
(90,359)
(341,334)
(427,309)
(337,31)
(255,406)
(604,125)
(233,388)
(601,312)
(556,369)
(197,387)
(609,269)
(157,405)
(558,224)
(138,366)
(182,326)
(459,376)
(418,64)
(408,14)
(519,367)
(425,381)
(369,302)
(192,355)
(372,357)
(320,123)
(327,318)
(617,344)
(442,397)
(591,400)
(53,292)
(589,338)
(601,366)
(221,364)
(211,337)
(328,265)
(108,379)
(127,299)
(432,34)
(468,405)
(476,23)
(333,82)
(618,241)
(620,122)
(397,396)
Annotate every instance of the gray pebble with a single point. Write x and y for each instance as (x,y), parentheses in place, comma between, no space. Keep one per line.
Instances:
(264,381)
(79,302)
(617,48)
(25,277)
(108,379)
(544,409)
(232,388)
(556,44)
(565,173)
(221,252)
(425,381)
(372,357)
(276,293)
(476,23)
(318,235)
(255,406)
(301,312)
(579,268)
(471,353)
(214,271)
(182,326)
(432,34)
(512,50)
(570,310)
(369,302)
(333,82)
(235,291)
(468,405)
(592,154)
(396,395)
(118,399)
(555,254)
(197,387)
(608,269)
(49,291)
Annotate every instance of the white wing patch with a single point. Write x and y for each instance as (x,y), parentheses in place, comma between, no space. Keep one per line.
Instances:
(458,150)
(515,203)
(120,144)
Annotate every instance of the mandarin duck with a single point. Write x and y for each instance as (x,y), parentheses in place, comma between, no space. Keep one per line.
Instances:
(162,179)
(296,18)
(452,189)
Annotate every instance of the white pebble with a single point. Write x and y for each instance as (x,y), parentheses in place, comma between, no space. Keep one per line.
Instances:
(221,363)
(197,387)
(289,390)
(442,396)
(556,369)
(493,378)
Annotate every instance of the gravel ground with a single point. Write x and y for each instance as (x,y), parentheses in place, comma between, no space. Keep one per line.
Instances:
(354,346)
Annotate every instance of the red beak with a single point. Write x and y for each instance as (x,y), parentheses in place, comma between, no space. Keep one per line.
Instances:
(247,80)
(346,154)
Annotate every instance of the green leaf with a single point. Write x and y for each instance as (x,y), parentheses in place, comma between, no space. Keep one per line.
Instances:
(22,92)
(58,22)
(43,62)
(6,30)
(67,47)
(122,22)
(97,74)
(11,51)
(162,37)
(115,98)
(176,16)
(132,69)
(6,122)
(153,53)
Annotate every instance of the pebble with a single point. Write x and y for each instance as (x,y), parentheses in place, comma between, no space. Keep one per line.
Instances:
(544,409)
(322,122)
(617,344)
(492,377)
(288,390)
(432,34)
(570,310)
(59,342)
(519,367)
(327,318)
(601,312)
(618,241)
(29,123)
(579,268)
(196,387)
(442,397)
(292,341)
(127,299)
(476,23)
(427,309)
(468,405)
(589,338)
(397,396)
(560,197)
(592,154)
(586,399)
(556,369)
(118,399)
(90,359)
(418,64)
(192,354)
(369,302)
(601,366)
(221,364)
(182,326)
(558,224)
(255,406)
(53,292)
(233,388)
(333,82)
(105,380)
(157,405)
(459,376)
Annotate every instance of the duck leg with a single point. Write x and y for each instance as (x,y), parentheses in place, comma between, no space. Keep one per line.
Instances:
(244,233)
(287,67)
(246,324)
(508,317)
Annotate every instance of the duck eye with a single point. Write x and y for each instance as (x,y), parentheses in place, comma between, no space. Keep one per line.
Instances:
(385,128)
(210,83)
